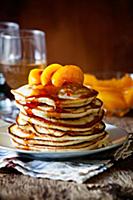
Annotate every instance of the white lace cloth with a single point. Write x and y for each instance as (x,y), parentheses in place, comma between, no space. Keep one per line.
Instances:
(78,170)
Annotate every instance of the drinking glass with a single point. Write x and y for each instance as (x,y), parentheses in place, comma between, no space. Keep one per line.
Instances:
(21,53)
(8,28)
(5,104)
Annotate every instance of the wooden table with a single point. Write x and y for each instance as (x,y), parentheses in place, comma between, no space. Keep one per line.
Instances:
(116,183)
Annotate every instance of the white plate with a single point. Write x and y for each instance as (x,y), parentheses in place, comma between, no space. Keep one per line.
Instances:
(116,137)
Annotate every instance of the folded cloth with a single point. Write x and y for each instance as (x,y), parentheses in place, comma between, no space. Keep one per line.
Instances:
(78,170)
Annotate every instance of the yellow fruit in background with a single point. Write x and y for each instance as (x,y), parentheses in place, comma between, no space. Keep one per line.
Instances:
(112,100)
(89,79)
(116,94)
(128,95)
(124,82)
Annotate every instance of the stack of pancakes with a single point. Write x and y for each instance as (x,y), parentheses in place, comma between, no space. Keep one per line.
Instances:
(58,119)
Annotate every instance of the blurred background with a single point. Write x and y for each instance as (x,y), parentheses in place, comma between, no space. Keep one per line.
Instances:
(94,34)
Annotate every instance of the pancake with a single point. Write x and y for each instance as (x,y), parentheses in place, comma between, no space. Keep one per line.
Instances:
(39,130)
(79,95)
(26,133)
(79,118)
(24,138)
(58,119)
(66,126)
(74,148)
(49,112)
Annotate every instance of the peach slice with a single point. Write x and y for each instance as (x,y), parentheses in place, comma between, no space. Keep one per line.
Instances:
(125,82)
(116,93)
(34,77)
(69,74)
(112,100)
(89,79)
(48,72)
(128,95)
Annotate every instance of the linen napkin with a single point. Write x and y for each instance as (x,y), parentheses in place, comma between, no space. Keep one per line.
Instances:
(78,170)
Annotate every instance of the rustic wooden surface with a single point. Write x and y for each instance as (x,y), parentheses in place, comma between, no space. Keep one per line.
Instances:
(116,183)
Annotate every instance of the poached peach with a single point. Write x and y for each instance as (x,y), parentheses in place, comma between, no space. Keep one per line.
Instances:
(34,77)
(69,74)
(48,72)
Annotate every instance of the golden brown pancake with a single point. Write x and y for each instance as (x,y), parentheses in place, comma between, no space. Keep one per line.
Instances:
(77,147)
(19,131)
(39,130)
(45,111)
(58,119)
(62,125)
(68,96)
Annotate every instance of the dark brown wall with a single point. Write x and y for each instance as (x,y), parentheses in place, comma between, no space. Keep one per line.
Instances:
(94,34)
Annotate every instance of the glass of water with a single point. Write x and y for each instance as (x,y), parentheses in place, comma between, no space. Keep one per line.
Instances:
(6,105)
(20,54)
